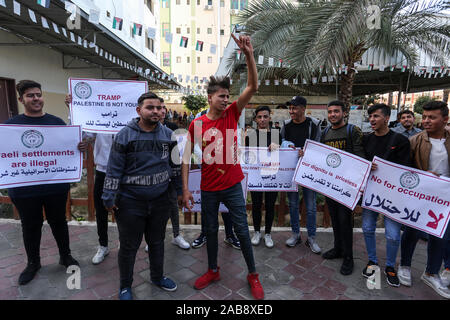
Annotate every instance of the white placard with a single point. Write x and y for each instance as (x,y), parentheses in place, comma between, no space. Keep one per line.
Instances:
(104,106)
(336,174)
(195,177)
(269,171)
(412,197)
(39,155)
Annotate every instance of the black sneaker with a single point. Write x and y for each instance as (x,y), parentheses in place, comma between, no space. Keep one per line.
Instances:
(67,261)
(367,273)
(332,254)
(347,266)
(199,242)
(391,277)
(233,241)
(29,272)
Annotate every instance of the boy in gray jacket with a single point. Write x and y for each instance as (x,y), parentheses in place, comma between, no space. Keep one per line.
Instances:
(138,179)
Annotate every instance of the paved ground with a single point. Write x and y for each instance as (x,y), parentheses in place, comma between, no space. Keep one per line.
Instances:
(285,273)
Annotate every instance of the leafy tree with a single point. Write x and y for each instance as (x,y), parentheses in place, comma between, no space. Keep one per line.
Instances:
(195,103)
(420,102)
(317,36)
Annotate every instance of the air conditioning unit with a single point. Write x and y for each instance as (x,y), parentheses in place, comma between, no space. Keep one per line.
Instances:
(234,12)
(208,7)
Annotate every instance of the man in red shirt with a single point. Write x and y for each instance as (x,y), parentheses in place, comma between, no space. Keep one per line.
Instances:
(221,171)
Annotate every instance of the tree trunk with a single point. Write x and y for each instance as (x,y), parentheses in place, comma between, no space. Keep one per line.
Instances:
(346,83)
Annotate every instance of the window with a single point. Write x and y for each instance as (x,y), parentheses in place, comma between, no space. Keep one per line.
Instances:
(198,59)
(188,59)
(198,30)
(188,2)
(188,30)
(222,32)
(178,59)
(150,44)
(235,4)
(165,29)
(244,4)
(149,4)
(108,14)
(164,3)
(209,2)
(178,2)
(198,2)
(222,3)
(209,30)
(209,59)
(178,30)
(166,59)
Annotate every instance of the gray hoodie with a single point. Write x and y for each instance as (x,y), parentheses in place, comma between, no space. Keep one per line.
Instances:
(140,164)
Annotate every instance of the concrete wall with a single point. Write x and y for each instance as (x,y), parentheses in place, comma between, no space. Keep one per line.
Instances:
(43,65)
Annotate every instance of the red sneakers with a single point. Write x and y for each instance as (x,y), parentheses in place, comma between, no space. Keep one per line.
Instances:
(206,279)
(255,286)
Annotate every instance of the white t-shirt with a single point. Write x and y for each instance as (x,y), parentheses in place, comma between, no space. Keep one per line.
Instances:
(439,157)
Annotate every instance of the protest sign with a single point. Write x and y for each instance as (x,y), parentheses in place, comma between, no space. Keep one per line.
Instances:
(412,197)
(269,171)
(195,177)
(39,155)
(337,174)
(104,106)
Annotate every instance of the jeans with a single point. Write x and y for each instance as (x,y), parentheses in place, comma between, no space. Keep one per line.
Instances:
(310,202)
(30,211)
(392,234)
(233,199)
(227,223)
(134,219)
(269,205)
(174,212)
(341,220)
(101,214)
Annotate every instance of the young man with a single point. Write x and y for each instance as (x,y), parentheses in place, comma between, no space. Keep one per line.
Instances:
(139,180)
(230,238)
(263,137)
(294,134)
(406,125)
(30,200)
(221,172)
(394,147)
(102,147)
(430,152)
(346,137)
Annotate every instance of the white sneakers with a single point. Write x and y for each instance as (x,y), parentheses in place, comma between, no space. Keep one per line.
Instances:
(434,281)
(179,241)
(102,252)
(312,244)
(256,238)
(293,240)
(267,239)
(404,275)
(445,277)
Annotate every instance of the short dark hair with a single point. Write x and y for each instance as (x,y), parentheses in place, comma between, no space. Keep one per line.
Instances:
(262,108)
(404,112)
(24,85)
(380,106)
(337,103)
(215,84)
(147,95)
(161,100)
(437,105)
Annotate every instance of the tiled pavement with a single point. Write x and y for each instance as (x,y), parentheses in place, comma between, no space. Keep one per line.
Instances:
(285,273)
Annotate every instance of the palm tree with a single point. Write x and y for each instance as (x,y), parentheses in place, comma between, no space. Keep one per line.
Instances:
(316,36)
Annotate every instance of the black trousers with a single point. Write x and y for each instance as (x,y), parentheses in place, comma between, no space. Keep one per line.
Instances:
(101,214)
(341,220)
(137,218)
(31,216)
(269,202)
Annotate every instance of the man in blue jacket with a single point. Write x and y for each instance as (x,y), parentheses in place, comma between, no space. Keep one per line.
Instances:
(139,178)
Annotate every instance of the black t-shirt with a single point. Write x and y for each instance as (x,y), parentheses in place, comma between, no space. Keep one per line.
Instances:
(42,189)
(171,125)
(392,146)
(297,132)
(257,138)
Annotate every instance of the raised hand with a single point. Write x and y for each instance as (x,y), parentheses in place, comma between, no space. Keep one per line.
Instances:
(244,44)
